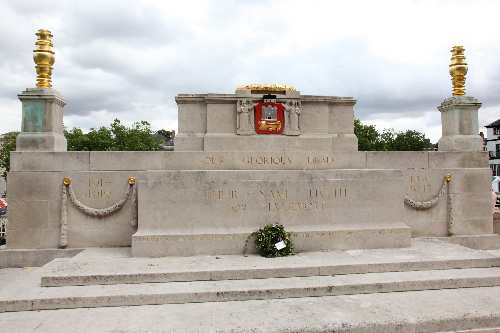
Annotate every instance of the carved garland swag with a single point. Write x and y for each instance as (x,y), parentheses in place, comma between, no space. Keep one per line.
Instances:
(427,204)
(67,191)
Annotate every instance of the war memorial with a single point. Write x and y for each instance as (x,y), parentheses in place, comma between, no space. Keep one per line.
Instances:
(384,241)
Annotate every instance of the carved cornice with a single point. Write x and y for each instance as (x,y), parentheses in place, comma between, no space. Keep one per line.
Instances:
(49,95)
(233,98)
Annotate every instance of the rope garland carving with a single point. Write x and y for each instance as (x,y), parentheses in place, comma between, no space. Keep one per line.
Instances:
(449,211)
(67,191)
(422,205)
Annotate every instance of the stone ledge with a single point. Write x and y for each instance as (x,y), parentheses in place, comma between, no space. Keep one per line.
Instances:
(478,242)
(161,160)
(33,257)
(159,244)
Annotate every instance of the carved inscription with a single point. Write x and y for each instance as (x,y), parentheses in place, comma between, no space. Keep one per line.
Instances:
(272,160)
(420,184)
(319,160)
(220,194)
(214,160)
(328,193)
(267,160)
(232,196)
(99,188)
(307,199)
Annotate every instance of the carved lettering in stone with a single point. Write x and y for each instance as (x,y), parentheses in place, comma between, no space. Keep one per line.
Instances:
(329,193)
(319,160)
(282,199)
(267,160)
(99,188)
(240,206)
(420,183)
(297,205)
(220,194)
(276,195)
(214,160)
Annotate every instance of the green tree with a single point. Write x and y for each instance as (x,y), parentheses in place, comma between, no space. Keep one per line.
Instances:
(7,145)
(410,140)
(370,139)
(368,136)
(117,137)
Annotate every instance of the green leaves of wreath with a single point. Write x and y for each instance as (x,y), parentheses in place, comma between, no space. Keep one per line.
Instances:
(267,237)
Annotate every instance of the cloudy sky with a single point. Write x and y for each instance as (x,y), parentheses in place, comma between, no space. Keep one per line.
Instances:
(128,59)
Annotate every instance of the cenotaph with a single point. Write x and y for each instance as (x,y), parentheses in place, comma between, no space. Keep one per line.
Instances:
(265,154)
(172,229)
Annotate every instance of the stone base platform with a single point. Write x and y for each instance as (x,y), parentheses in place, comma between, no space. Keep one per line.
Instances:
(110,277)
(305,238)
(431,286)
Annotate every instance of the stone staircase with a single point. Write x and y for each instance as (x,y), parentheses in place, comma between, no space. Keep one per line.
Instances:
(98,278)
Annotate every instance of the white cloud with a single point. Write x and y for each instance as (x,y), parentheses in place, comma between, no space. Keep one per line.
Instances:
(128,59)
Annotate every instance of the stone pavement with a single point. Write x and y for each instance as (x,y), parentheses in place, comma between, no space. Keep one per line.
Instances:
(433,286)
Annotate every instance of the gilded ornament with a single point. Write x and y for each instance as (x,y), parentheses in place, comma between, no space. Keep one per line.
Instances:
(131,180)
(67,181)
(44,58)
(448,178)
(458,70)
(266,88)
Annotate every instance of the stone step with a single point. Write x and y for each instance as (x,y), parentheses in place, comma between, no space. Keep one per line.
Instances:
(429,311)
(98,269)
(43,298)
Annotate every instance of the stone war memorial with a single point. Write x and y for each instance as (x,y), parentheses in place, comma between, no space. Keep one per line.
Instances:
(383,241)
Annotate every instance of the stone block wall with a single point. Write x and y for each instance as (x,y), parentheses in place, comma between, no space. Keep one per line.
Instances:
(208,122)
(100,179)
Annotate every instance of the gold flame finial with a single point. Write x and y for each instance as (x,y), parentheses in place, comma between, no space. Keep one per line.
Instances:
(458,69)
(43,55)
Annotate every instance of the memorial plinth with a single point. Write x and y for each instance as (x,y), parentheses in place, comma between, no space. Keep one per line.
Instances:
(263,155)
(214,212)
(242,161)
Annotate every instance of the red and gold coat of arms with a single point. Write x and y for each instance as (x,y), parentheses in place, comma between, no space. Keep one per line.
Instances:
(269,117)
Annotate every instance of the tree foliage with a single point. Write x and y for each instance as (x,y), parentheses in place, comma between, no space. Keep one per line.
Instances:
(369,138)
(117,137)
(7,145)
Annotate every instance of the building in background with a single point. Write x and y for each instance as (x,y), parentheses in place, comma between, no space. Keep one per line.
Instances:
(3,185)
(493,146)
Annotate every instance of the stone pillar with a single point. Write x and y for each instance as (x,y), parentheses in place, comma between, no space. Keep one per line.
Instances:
(459,122)
(42,121)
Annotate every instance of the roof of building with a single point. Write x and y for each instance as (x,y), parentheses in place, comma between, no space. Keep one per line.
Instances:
(496,123)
